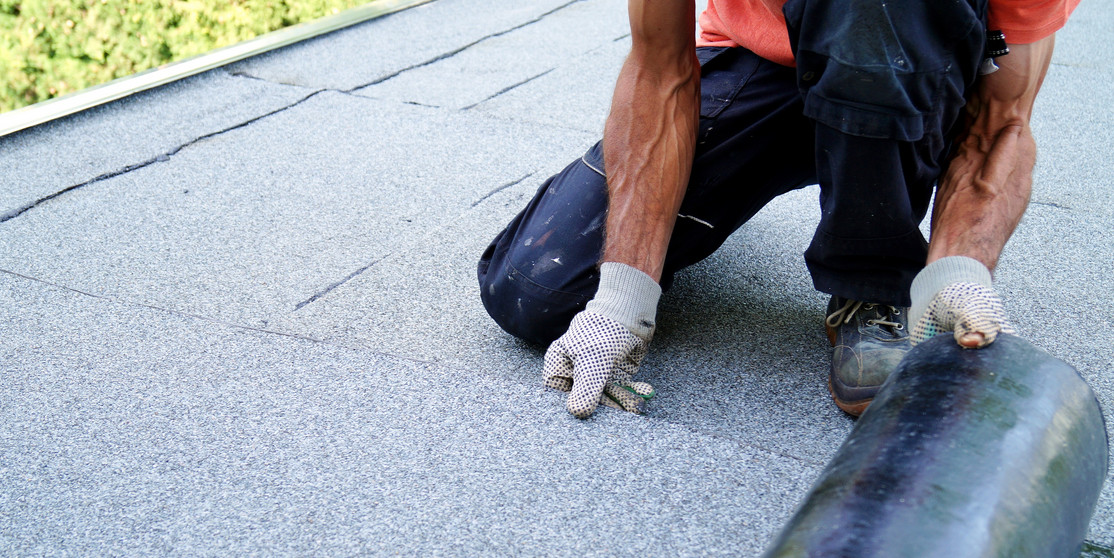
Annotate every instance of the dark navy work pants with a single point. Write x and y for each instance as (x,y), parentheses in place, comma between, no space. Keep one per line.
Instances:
(867,114)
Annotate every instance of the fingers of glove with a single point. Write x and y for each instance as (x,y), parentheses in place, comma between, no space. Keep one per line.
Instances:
(593,352)
(623,398)
(642,389)
(972,312)
(979,315)
(620,391)
(977,327)
(975,332)
(558,382)
(609,402)
(558,368)
(591,375)
(597,369)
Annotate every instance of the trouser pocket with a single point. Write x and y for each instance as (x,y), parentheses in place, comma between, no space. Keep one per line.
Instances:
(884,69)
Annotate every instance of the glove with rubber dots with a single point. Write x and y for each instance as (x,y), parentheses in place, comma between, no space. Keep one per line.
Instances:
(596,359)
(955,294)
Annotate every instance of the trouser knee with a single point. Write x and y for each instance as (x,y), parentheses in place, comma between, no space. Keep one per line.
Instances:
(524,309)
(540,271)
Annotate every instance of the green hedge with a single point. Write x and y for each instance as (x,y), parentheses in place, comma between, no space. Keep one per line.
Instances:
(53,47)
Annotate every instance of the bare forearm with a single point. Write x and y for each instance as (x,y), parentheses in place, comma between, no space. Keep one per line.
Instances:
(650,138)
(983,196)
(985,191)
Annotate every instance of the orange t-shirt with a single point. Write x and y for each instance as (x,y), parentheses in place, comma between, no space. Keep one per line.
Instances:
(759,25)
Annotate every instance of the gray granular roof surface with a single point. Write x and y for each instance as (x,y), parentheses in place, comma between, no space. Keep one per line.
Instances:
(248,321)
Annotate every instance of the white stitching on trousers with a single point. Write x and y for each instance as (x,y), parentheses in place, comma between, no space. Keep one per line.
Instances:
(701,221)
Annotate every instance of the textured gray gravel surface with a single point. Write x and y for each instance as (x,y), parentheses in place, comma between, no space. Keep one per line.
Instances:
(253,327)
(367,54)
(129,429)
(257,222)
(127,134)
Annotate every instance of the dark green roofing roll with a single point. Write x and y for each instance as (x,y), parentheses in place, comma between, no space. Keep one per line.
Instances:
(1000,451)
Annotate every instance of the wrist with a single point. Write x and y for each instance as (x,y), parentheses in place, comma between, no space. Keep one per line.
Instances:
(937,275)
(627,296)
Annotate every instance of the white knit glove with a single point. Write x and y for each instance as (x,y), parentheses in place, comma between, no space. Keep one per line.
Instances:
(596,359)
(956,294)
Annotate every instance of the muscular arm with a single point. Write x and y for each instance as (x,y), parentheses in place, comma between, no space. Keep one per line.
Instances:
(650,135)
(986,188)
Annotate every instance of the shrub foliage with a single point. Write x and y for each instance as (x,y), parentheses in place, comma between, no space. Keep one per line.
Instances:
(53,47)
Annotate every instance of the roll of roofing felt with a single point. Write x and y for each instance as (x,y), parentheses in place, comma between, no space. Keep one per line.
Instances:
(1000,451)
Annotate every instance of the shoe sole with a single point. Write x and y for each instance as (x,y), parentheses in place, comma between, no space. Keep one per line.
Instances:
(853,408)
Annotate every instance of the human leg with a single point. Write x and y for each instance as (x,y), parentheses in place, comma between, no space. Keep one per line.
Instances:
(885,83)
(752,145)
(540,271)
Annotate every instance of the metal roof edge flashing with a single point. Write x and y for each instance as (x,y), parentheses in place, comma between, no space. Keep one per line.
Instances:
(58,107)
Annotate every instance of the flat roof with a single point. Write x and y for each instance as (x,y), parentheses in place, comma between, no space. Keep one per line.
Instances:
(240,312)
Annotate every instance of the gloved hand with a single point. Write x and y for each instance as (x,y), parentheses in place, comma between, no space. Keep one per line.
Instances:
(955,294)
(596,359)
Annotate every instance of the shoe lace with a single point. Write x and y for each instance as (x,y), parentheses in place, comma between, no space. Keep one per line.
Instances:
(844,314)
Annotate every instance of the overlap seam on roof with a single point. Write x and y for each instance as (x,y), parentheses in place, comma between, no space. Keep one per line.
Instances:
(330,288)
(459,50)
(171,310)
(506,90)
(1051,204)
(501,188)
(160,158)
(166,156)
